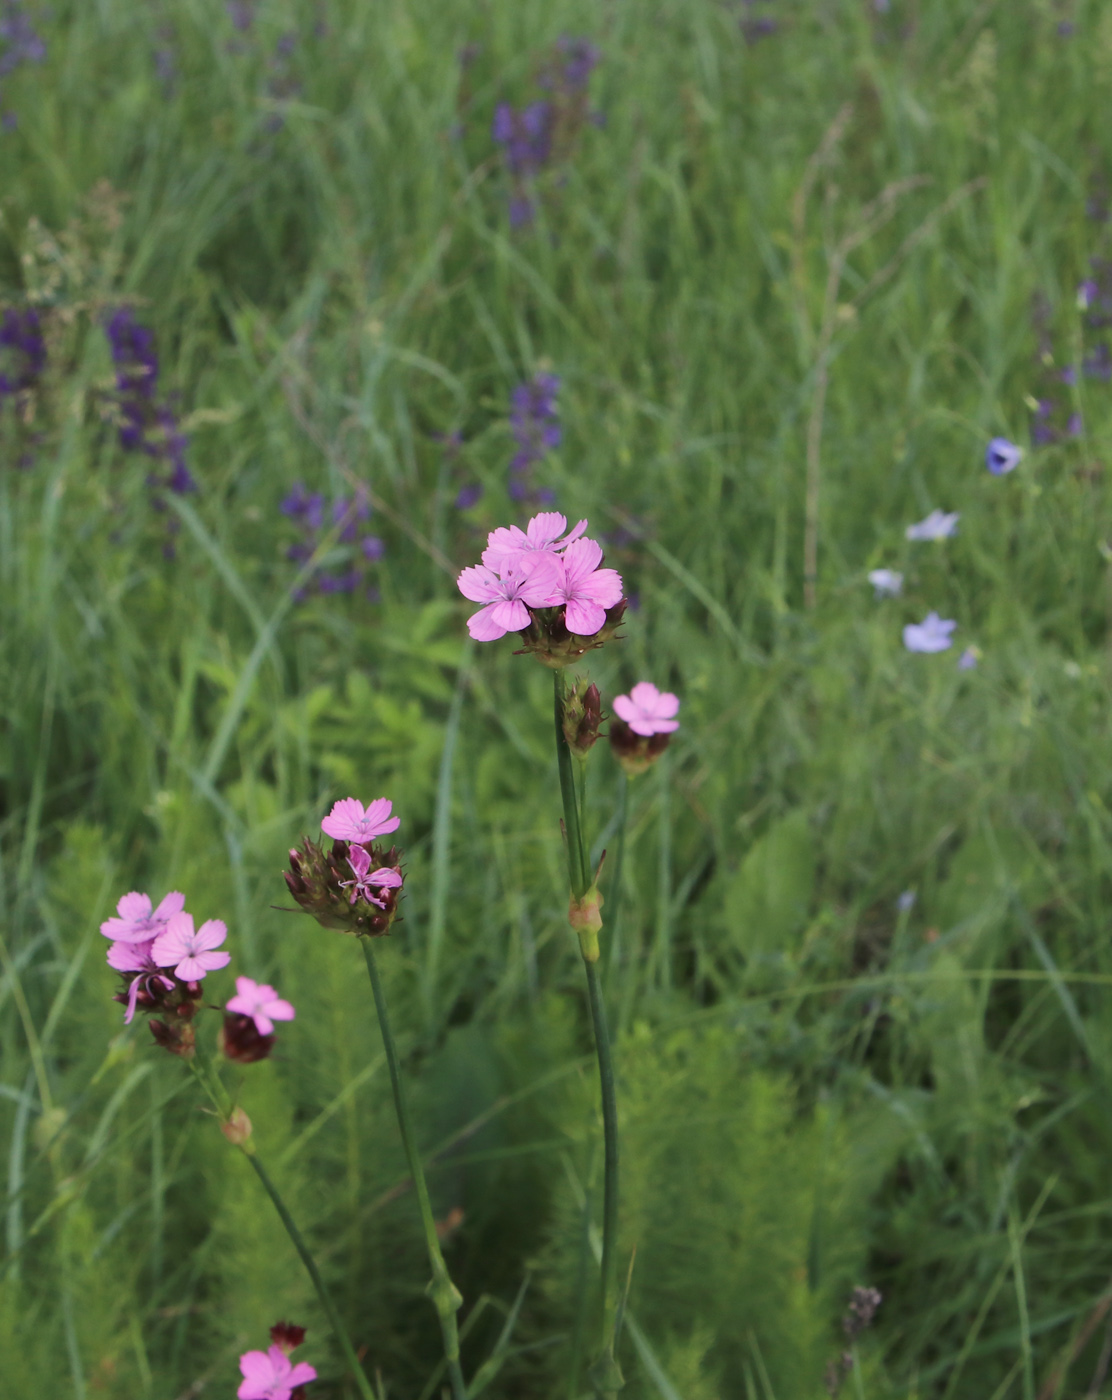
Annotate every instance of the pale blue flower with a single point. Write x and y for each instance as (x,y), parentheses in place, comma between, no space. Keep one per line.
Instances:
(932,634)
(887,582)
(1002,456)
(937,526)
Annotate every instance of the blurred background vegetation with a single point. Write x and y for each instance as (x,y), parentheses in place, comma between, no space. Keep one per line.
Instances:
(792,261)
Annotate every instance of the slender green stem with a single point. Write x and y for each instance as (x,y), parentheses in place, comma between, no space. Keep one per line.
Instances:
(610,1145)
(605,1373)
(340,1332)
(213,1086)
(578,875)
(443,1292)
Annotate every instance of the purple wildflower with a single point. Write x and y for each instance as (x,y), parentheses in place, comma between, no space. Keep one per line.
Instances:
(581,57)
(350,821)
(1002,456)
(967,661)
(307,511)
(535,425)
(146,424)
(261,1003)
(241,13)
(522,582)
(366,880)
(469,495)
(932,634)
(1098,365)
(21,336)
(21,43)
(648,711)
(525,136)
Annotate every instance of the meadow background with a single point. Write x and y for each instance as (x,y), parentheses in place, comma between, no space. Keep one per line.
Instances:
(792,262)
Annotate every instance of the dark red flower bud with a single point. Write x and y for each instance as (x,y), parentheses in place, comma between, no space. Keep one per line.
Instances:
(240,1039)
(548,638)
(287,1336)
(582,717)
(635,752)
(178,1039)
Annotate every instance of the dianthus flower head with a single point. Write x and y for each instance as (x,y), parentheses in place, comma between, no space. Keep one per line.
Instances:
(149,978)
(937,526)
(887,582)
(932,634)
(349,820)
(271,1375)
(1002,456)
(137,922)
(191,953)
(320,880)
(646,719)
(261,1003)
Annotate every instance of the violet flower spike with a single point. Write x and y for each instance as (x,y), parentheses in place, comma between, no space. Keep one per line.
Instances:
(585,589)
(932,634)
(271,1375)
(191,953)
(523,582)
(887,582)
(262,1003)
(136,922)
(937,526)
(365,883)
(648,711)
(1002,456)
(350,821)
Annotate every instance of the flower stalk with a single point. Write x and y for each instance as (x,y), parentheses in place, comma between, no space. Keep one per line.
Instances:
(586,919)
(445,1296)
(237,1129)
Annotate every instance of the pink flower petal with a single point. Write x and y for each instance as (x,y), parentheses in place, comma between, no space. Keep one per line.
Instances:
(255,1366)
(479,584)
(135,906)
(210,935)
(582,557)
(583,617)
(174,903)
(484,628)
(175,940)
(387,877)
(302,1374)
(130,957)
(510,616)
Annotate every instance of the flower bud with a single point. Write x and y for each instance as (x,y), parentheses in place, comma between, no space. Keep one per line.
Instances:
(351,888)
(177,1036)
(635,752)
(237,1129)
(240,1040)
(585,917)
(286,1336)
(582,717)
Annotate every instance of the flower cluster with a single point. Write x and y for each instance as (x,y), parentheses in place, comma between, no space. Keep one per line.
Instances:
(22,351)
(146,423)
(270,1374)
(164,958)
(20,43)
(354,886)
(312,519)
(544,132)
(547,584)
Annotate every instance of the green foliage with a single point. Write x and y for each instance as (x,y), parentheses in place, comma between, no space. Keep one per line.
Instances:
(817,1090)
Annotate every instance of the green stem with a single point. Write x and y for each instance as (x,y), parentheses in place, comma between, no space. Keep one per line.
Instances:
(614,900)
(578,875)
(443,1292)
(605,1372)
(311,1269)
(213,1086)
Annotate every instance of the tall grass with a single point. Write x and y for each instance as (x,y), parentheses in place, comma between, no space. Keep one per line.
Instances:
(818,1090)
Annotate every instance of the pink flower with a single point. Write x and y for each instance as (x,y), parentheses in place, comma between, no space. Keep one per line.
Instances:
(524,581)
(647,710)
(586,589)
(271,1375)
(261,1003)
(136,923)
(350,821)
(364,884)
(541,535)
(190,954)
(136,957)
